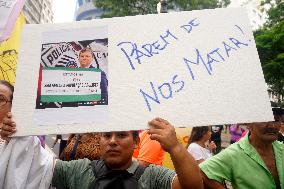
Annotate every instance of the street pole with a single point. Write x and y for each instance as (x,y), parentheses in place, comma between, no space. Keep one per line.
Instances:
(162,6)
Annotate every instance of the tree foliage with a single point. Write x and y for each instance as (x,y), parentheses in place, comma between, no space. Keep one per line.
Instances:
(185,5)
(114,8)
(270,45)
(275,12)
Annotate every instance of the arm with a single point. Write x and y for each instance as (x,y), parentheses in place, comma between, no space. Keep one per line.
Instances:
(8,128)
(188,173)
(42,161)
(211,184)
(72,174)
(27,155)
(219,168)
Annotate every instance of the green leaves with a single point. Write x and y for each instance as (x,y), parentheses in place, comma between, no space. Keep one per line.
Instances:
(270,46)
(275,12)
(118,8)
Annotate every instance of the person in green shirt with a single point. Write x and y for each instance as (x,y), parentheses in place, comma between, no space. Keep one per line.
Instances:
(255,162)
(117,149)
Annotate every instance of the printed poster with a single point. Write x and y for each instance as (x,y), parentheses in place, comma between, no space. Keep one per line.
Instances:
(72,79)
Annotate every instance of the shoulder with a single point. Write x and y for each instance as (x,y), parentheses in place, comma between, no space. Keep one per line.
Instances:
(158,170)
(226,156)
(220,166)
(194,146)
(279,147)
(80,164)
(76,173)
(156,177)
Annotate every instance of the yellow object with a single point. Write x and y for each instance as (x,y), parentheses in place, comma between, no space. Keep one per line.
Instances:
(182,134)
(9,52)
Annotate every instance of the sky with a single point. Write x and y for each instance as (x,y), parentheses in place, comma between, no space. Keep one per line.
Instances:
(63,10)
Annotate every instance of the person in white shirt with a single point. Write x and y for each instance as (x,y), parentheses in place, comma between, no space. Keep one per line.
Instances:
(198,143)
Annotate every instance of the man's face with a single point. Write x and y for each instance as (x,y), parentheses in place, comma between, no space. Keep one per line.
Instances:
(85,59)
(5,95)
(117,149)
(267,131)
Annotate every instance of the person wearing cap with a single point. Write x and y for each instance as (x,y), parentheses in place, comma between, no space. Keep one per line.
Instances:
(256,161)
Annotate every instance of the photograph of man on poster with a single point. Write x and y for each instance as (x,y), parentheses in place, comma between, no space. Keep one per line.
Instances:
(86,58)
(75,55)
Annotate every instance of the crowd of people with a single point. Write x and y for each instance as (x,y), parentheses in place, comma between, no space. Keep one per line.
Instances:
(133,159)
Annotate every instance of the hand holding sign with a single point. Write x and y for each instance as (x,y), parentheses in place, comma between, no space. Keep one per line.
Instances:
(192,68)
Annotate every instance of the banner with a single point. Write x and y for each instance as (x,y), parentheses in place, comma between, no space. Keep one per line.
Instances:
(9,52)
(9,12)
(192,68)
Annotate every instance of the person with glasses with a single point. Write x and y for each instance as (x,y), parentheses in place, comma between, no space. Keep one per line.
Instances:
(256,161)
(6,97)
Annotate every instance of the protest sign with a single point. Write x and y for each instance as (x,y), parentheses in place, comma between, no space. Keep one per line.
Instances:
(192,68)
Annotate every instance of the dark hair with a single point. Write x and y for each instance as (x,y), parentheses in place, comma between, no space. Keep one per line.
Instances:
(135,135)
(87,49)
(277,111)
(7,84)
(197,133)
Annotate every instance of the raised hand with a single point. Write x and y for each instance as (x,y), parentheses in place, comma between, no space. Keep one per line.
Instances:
(163,132)
(8,127)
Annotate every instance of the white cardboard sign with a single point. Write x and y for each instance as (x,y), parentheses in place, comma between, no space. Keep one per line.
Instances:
(192,68)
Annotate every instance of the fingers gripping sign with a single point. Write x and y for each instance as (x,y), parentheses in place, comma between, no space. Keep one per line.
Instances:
(163,132)
(8,127)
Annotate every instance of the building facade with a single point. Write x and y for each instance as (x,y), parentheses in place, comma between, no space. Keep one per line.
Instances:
(85,10)
(38,11)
